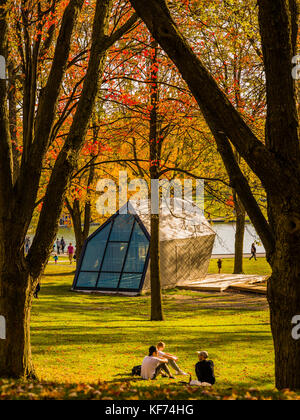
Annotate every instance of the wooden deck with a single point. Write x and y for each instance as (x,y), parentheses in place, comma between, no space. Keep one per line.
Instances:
(229,282)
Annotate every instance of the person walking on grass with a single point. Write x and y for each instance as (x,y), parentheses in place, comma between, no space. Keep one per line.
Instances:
(37,291)
(253,252)
(153,365)
(71,251)
(58,246)
(170,357)
(219,263)
(205,369)
(27,244)
(63,245)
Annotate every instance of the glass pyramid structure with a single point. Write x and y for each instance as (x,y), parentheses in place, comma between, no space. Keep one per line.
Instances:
(115,258)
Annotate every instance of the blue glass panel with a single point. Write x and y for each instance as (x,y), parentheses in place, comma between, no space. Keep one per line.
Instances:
(108,280)
(114,257)
(95,249)
(138,251)
(87,279)
(130,281)
(122,228)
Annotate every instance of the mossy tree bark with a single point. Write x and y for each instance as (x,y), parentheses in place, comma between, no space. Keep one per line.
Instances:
(276,163)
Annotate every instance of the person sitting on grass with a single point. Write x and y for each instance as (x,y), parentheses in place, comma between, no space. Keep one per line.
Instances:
(171,358)
(205,369)
(153,365)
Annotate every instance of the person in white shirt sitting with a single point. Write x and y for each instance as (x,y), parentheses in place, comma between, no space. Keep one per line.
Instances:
(171,358)
(153,365)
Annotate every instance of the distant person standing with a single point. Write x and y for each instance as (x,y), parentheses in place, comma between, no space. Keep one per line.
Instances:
(37,291)
(58,246)
(71,251)
(63,245)
(27,244)
(253,252)
(219,263)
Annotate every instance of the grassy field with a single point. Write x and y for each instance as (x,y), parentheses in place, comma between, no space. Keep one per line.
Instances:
(87,338)
(259,267)
(84,346)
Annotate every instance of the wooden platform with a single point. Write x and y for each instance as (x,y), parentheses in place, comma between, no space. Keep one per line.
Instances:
(229,282)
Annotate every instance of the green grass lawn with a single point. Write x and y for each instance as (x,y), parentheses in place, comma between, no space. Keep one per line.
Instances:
(259,267)
(90,338)
(84,346)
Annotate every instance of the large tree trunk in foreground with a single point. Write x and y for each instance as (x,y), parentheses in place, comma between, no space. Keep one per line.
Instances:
(18,201)
(284,289)
(15,306)
(284,300)
(276,162)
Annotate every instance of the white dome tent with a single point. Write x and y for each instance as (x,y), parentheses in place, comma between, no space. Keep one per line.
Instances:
(115,258)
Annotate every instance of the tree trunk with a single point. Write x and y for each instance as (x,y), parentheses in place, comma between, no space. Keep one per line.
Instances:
(79,243)
(284,287)
(276,163)
(284,301)
(17,199)
(15,306)
(81,234)
(156,295)
(239,235)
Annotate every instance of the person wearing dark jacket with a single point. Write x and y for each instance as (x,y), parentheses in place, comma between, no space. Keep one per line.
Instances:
(37,291)
(205,369)
(253,252)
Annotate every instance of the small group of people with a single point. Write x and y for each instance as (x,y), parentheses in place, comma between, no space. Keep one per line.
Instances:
(60,245)
(60,250)
(158,362)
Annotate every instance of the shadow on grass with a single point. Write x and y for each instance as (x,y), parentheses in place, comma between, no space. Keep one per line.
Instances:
(64,274)
(106,337)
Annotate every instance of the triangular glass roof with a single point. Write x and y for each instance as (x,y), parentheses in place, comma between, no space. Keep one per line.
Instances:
(115,257)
